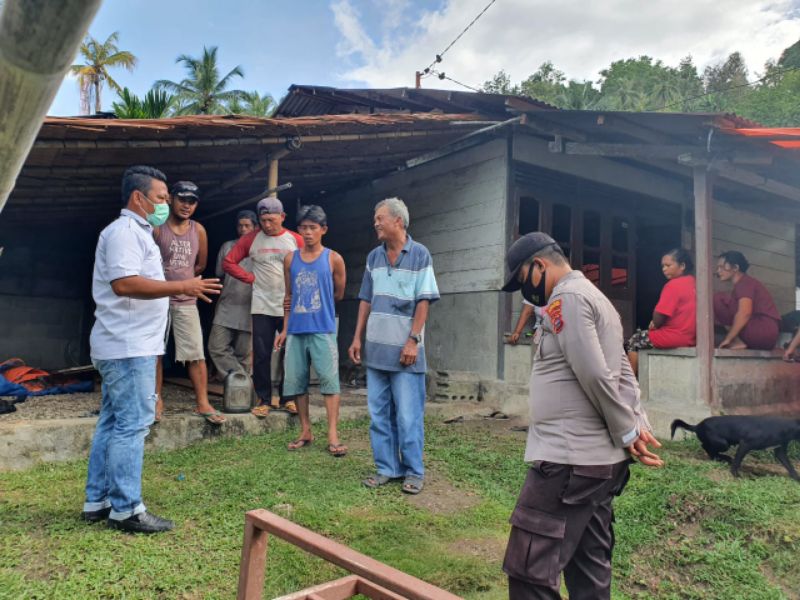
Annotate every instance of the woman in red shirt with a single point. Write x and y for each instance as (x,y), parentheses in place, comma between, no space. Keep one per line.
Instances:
(748,312)
(674,323)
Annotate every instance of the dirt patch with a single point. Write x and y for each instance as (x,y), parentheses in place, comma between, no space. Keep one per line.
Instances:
(489,549)
(778,582)
(747,471)
(440,497)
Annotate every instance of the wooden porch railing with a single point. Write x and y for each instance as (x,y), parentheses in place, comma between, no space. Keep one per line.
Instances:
(369,577)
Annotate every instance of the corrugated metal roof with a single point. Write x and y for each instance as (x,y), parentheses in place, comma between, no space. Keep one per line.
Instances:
(198,126)
(305,100)
(783,137)
(80,161)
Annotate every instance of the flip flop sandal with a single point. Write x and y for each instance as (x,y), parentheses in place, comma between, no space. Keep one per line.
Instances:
(337,450)
(290,407)
(297,444)
(412,485)
(261,411)
(213,417)
(376,481)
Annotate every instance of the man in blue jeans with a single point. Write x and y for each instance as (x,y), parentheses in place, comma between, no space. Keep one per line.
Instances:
(396,292)
(132,301)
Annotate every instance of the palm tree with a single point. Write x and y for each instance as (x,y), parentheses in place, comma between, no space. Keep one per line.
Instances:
(98,59)
(664,94)
(626,95)
(253,104)
(578,95)
(155,105)
(202,92)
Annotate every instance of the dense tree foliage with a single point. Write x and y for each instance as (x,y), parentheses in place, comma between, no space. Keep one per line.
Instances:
(647,84)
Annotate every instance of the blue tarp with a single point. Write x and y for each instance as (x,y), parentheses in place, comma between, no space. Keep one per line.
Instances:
(21,393)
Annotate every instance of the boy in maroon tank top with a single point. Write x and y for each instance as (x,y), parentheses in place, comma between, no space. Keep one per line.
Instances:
(184,250)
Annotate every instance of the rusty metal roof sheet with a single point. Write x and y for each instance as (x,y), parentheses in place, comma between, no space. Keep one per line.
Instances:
(305,100)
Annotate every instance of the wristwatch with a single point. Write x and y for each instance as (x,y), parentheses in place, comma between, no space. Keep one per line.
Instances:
(417,337)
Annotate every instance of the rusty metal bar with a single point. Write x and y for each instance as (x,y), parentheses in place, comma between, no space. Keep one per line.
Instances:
(254,561)
(251,576)
(338,589)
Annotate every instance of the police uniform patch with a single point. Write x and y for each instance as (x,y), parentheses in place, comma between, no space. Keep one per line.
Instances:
(553,311)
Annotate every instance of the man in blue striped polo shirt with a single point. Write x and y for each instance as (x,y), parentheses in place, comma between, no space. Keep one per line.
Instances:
(396,293)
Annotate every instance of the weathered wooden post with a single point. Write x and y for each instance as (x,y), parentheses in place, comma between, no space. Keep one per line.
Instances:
(38,41)
(703,201)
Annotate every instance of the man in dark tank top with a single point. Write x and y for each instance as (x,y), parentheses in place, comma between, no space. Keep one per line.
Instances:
(184,250)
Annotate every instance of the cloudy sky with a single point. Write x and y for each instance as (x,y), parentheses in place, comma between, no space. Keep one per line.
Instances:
(381,43)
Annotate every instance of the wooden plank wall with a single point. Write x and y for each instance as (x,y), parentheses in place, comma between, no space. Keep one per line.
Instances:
(457,206)
(769,245)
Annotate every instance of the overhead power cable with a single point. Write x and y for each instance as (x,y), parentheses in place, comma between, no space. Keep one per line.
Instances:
(441,75)
(439,56)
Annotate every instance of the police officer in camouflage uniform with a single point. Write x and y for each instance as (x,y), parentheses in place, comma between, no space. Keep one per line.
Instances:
(587,425)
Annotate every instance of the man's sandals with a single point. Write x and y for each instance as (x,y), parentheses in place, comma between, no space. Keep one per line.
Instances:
(299,443)
(411,484)
(261,411)
(337,450)
(213,417)
(289,406)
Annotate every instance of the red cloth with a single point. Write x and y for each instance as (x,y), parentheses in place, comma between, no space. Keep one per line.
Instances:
(678,302)
(763,304)
(762,330)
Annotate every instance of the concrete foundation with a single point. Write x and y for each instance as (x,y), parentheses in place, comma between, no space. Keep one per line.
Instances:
(745,382)
(24,444)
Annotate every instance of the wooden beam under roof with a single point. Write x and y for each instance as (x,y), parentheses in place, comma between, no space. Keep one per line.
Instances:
(658,151)
(728,171)
(625,150)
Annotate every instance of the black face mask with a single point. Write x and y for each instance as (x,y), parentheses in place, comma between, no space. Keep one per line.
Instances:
(534,293)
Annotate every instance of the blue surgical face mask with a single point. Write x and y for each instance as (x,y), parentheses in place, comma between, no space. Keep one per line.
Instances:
(159,215)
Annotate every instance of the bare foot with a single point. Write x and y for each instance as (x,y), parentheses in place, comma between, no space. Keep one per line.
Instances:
(737,345)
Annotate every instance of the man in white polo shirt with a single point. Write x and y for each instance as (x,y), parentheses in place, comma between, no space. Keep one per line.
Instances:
(132,301)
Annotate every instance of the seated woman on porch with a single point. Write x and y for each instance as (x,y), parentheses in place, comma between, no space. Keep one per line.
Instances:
(674,323)
(748,313)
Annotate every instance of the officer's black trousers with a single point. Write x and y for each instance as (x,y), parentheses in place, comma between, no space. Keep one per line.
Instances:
(563,521)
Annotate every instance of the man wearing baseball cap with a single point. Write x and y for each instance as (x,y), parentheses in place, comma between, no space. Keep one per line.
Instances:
(266,248)
(587,425)
(184,250)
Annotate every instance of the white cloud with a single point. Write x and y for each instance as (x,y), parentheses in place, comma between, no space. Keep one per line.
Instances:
(579,36)
(354,38)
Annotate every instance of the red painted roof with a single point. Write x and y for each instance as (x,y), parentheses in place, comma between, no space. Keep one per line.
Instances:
(785,137)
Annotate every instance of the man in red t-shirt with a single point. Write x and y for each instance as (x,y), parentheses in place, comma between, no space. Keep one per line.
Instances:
(748,312)
(266,249)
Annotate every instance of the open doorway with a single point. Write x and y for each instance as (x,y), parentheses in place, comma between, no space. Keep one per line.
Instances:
(655,236)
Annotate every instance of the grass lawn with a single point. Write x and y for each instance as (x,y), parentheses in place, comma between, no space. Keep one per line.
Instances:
(687,531)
